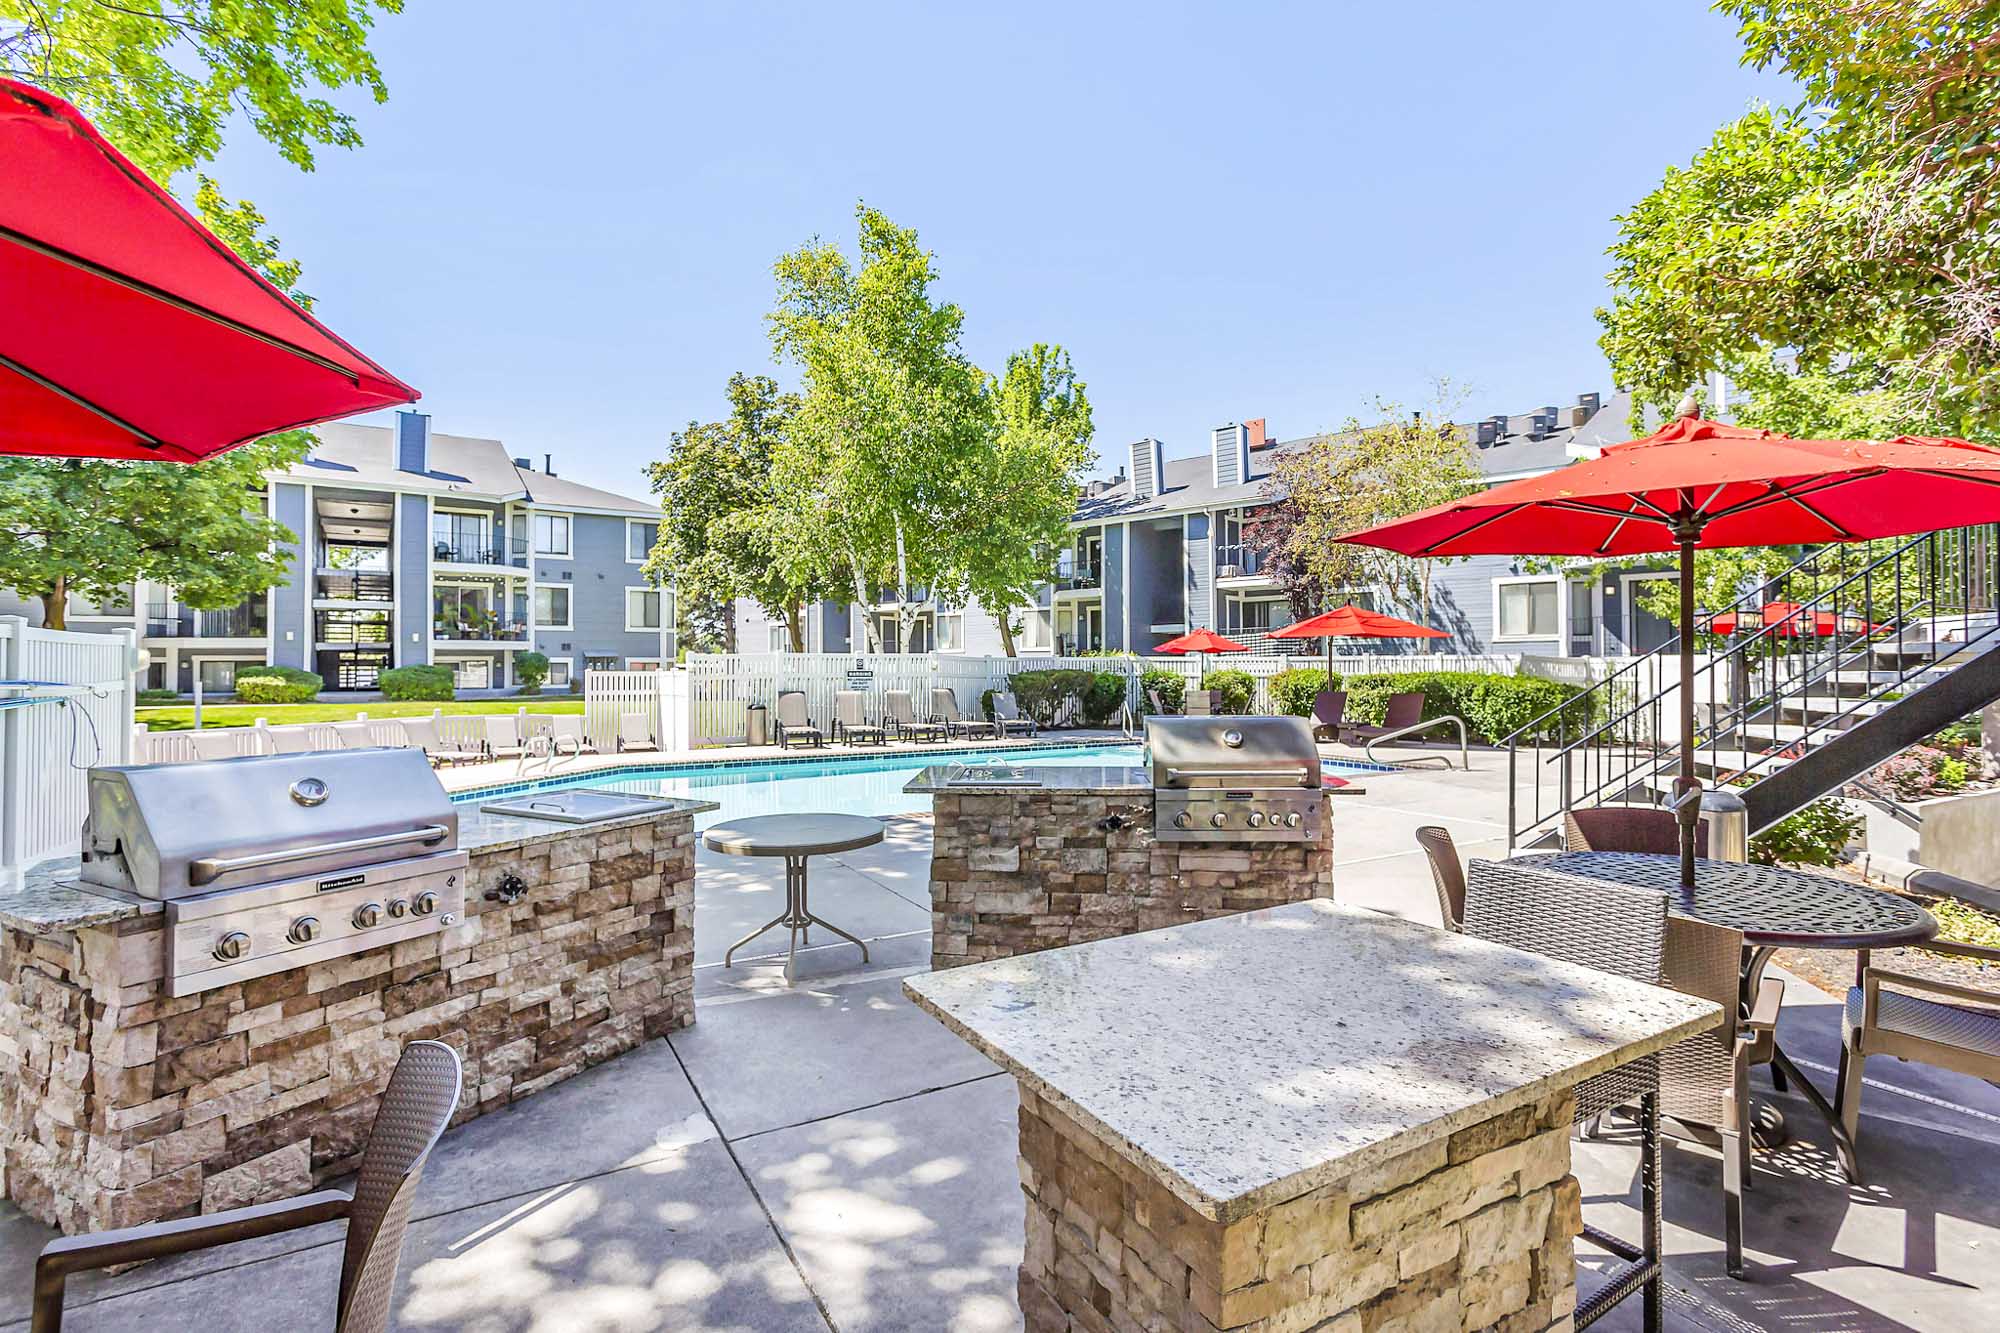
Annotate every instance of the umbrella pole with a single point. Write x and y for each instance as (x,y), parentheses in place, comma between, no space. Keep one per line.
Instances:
(1687,791)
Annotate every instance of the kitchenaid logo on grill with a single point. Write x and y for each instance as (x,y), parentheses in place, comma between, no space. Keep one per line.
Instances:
(340,882)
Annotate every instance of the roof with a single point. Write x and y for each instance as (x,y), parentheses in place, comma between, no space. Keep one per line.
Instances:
(1188,483)
(363,457)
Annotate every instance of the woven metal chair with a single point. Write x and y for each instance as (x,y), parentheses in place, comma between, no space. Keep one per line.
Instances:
(1627,828)
(417,1105)
(1447,872)
(1617,929)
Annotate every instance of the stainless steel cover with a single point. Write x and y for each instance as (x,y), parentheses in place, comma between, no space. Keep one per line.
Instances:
(1232,752)
(577,805)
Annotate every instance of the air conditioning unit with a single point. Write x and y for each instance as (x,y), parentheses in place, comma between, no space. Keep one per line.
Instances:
(1229,571)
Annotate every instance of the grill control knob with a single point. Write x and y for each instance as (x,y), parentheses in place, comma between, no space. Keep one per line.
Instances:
(398,907)
(1218,819)
(1255,819)
(1292,819)
(366,915)
(425,904)
(232,946)
(1183,820)
(304,931)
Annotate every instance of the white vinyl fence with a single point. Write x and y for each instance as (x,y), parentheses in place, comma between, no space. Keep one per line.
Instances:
(457,731)
(46,746)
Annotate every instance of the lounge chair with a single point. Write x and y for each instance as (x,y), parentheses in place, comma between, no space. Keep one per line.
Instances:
(795,725)
(1628,828)
(290,740)
(944,707)
(635,732)
(358,735)
(217,742)
(1007,715)
(503,736)
(422,733)
(904,724)
(566,736)
(1329,711)
(850,720)
(1153,698)
(1405,710)
(1447,873)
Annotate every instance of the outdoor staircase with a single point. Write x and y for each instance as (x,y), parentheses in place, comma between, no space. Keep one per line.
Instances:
(1890,642)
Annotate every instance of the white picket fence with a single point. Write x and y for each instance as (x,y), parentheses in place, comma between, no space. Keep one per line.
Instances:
(46,747)
(465,731)
(658,698)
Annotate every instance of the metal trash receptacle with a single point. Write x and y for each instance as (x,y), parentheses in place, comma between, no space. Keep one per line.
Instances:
(757,725)
(1728,825)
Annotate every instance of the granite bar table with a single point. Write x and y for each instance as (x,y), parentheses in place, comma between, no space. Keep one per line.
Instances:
(1303,1117)
(1038,857)
(120,1104)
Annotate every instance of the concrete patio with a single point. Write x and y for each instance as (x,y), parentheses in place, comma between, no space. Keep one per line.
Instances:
(827,1157)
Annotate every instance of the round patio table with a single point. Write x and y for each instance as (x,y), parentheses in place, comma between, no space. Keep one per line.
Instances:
(794,837)
(1775,908)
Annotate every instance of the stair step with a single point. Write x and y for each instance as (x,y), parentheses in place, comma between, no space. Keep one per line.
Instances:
(1853,707)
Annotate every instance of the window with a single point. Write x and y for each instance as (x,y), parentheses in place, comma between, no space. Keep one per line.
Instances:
(551,607)
(1529,609)
(951,632)
(218,677)
(459,537)
(1036,631)
(470,673)
(642,664)
(642,609)
(559,672)
(639,539)
(780,638)
(552,534)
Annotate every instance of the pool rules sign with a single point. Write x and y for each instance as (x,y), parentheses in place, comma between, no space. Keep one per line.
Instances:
(860,677)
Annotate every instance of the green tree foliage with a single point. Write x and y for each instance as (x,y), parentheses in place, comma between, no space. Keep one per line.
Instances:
(725,529)
(1858,228)
(531,669)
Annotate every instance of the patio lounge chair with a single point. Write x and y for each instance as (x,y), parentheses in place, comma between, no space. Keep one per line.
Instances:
(422,733)
(850,720)
(635,732)
(567,737)
(1153,698)
(1404,710)
(794,725)
(944,707)
(904,725)
(359,735)
(1007,716)
(1618,929)
(290,740)
(415,1108)
(1329,710)
(503,736)
(217,742)
(1447,873)
(1627,828)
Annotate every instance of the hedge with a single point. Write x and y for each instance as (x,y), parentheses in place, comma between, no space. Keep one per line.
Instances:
(1041,694)
(531,669)
(1493,706)
(1235,689)
(276,685)
(1170,685)
(432,683)
(1294,689)
(157,696)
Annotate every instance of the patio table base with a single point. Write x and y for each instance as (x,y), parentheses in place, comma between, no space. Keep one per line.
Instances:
(797,918)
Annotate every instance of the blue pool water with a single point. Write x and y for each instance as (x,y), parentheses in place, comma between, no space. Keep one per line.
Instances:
(862,786)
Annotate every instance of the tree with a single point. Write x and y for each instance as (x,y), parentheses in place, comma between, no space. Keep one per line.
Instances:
(1358,477)
(724,531)
(1858,228)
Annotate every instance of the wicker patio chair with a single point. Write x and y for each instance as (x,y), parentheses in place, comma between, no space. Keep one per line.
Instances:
(850,720)
(1007,714)
(1613,928)
(904,724)
(635,732)
(415,1108)
(1329,710)
(944,707)
(1915,1027)
(1404,710)
(1447,872)
(422,733)
(1627,828)
(795,725)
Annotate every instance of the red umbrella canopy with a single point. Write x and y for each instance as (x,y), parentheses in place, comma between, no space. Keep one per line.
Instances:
(1202,641)
(1355,622)
(127,329)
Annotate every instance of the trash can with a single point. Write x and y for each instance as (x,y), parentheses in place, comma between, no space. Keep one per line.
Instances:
(757,725)
(1728,825)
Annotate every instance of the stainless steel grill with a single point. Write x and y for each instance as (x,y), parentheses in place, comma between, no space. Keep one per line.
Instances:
(277,861)
(1235,779)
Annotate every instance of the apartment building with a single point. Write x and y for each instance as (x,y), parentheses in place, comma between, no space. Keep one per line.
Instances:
(1159,549)
(415,547)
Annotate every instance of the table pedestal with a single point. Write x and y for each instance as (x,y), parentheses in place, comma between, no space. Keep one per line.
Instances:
(797,918)
(1475,1230)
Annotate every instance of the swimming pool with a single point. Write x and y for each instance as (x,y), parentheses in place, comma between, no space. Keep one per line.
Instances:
(870,785)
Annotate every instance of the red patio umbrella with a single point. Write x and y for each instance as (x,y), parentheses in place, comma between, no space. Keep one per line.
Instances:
(1790,620)
(127,329)
(1202,641)
(1697,483)
(1354,622)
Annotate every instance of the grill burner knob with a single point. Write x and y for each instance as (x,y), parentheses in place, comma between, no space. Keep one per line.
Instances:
(398,907)
(1255,819)
(1292,819)
(425,904)
(1183,820)
(1218,819)
(367,915)
(304,931)
(232,946)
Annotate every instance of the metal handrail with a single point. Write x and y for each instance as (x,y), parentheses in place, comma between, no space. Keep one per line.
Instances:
(1464,749)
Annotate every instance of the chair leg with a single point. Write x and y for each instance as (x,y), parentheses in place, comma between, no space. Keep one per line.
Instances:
(1732,1201)
(1778,1079)
(1847,1089)
(1651,1168)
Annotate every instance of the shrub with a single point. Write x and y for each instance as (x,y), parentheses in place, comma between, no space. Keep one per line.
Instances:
(432,683)
(1294,689)
(1816,835)
(276,685)
(1103,697)
(1921,771)
(531,669)
(986,703)
(1042,694)
(1493,706)
(157,696)
(1170,685)
(1234,689)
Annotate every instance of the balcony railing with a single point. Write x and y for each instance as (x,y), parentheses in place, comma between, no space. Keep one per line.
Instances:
(1237,561)
(478,631)
(237,622)
(350,632)
(1081,574)
(502,551)
(357,585)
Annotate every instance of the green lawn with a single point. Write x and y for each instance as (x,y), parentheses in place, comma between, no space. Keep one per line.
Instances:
(180,717)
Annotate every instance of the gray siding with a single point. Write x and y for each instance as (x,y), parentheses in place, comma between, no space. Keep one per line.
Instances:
(1115,600)
(413,584)
(1154,593)
(291,636)
(1199,565)
(597,577)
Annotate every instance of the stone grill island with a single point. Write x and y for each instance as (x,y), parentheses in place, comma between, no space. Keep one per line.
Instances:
(1304,1117)
(122,1104)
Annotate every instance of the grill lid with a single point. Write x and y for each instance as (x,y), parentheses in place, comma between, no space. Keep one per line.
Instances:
(172,830)
(1232,752)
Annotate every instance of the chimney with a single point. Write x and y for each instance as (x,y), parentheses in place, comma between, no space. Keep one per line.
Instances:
(525,464)
(1145,468)
(1231,455)
(1499,423)
(413,442)
(1590,401)
(1259,439)
(1486,434)
(548,465)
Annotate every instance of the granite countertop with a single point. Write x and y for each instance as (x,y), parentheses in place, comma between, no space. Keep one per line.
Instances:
(48,896)
(1249,1059)
(1099,779)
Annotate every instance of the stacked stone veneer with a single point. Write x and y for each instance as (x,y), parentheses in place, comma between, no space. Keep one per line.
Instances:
(1474,1231)
(1021,871)
(120,1105)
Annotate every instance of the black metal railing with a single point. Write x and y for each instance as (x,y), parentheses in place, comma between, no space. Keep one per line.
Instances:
(357,585)
(1841,635)
(494,551)
(1080,574)
(1234,560)
(345,629)
(237,622)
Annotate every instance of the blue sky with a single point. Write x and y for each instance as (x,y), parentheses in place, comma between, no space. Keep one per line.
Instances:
(562,224)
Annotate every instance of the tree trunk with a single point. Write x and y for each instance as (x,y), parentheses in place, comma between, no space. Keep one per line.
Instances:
(795,625)
(55,605)
(871,634)
(1006,636)
(906,618)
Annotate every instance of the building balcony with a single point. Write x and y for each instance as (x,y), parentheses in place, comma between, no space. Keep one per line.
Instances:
(1239,564)
(494,553)
(355,585)
(1080,577)
(236,622)
(513,633)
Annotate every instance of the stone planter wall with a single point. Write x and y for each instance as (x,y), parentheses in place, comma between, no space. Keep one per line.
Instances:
(1475,1231)
(120,1105)
(1016,872)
